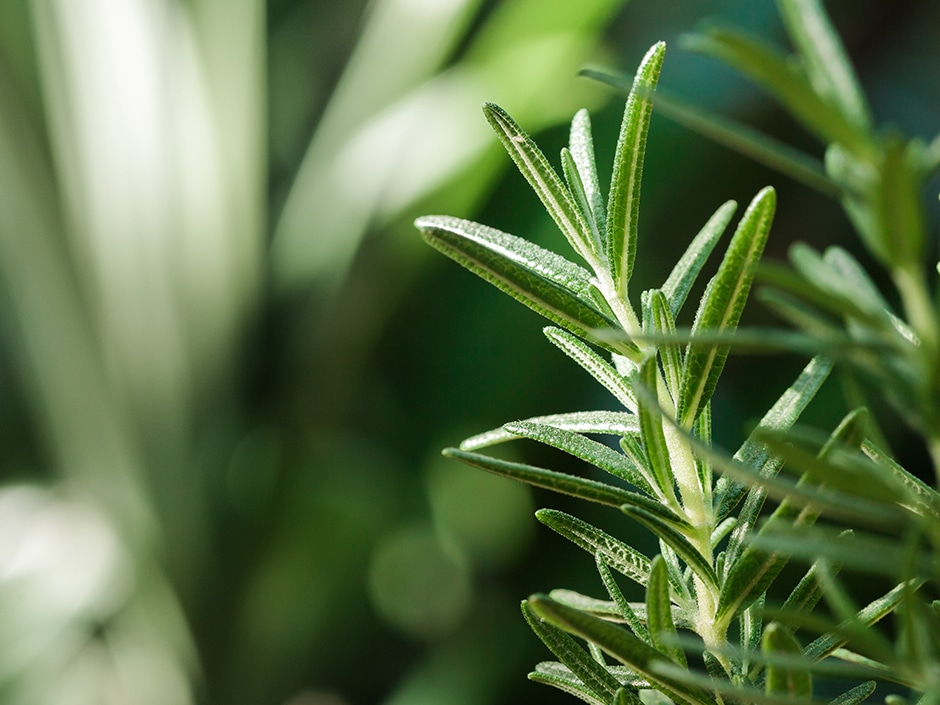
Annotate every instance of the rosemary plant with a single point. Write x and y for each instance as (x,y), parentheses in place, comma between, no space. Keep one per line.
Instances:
(705,633)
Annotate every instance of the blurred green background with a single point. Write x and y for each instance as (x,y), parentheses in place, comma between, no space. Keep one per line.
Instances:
(227,362)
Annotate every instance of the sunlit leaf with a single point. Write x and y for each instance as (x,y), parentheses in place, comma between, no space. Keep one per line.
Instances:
(542,280)
(615,553)
(560,676)
(610,423)
(598,454)
(590,490)
(595,365)
(581,145)
(623,204)
(722,304)
(544,181)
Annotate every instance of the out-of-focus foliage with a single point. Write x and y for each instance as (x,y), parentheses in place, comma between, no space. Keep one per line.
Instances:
(226,363)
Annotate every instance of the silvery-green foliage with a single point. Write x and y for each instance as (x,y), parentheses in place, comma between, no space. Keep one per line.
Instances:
(705,632)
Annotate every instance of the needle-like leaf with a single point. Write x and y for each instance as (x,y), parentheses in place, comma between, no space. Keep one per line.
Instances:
(594,676)
(626,610)
(544,181)
(609,423)
(782,79)
(683,275)
(793,681)
(663,322)
(722,304)
(622,645)
(543,281)
(855,695)
(615,553)
(651,432)
(662,630)
(581,199)
(623,201)
(595,365)
(590,490)
(824,59)
(560,676)
(581,145)
(599,455)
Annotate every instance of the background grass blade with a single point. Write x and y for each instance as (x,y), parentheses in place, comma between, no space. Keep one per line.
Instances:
(824,59)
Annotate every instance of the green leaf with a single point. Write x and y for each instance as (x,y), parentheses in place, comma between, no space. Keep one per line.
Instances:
(901,231)
(751,623)
(562,483)
(721,306)
(538,172)
(751,573)
(861,636)
(678,542)
(670,354)
(920,497)
(807,593)
(623,200)
(793,681)
(610,423)
(683,275)
(581,144)
(651,432)
(703,431)
(626,610)
(662,630)
(843,289)
(782,79)
(781,416)
(625,697)
(595,365)
(855,695)
(560,676)
(615,553)
(543,281)
(577,189)
(593,675)
(605,609)
(598,454)
(622,645)
(824,59)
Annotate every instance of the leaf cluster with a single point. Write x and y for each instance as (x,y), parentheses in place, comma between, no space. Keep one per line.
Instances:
(719,550)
